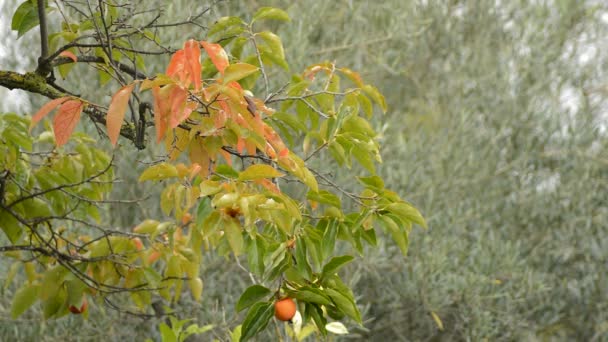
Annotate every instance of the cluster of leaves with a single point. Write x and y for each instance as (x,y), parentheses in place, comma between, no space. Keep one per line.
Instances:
(230,157)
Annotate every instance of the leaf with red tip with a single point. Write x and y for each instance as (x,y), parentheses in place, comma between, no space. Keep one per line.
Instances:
(217,54)
(47,108)
(69,55)
(116,112)
(65,121)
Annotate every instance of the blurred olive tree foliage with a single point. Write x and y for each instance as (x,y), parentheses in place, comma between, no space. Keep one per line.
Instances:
(497,127)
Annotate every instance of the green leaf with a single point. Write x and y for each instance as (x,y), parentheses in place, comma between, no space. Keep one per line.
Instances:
(316,313)
(255,255)
(225,23)
(328,243)
(311,295)
(252,295)
(203,211)
(54,304)
(400,237)
(408,212)
(335,264)
(226,171)
(270,13)
(291,120)
(158,172)
(10,226)
(325,197)
(235,236)
(259,171)
(274,43)
(345,304)
(374,183)
(25,18)
(167,335)
(373,92)
(238,71)
(257,319)
(25,297)
(301,259)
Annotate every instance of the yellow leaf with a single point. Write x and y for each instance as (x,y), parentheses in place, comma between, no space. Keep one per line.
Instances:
(437,320)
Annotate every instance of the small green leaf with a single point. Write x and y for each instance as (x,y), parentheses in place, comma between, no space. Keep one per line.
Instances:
(24,298)
(259,171)
(336,263)
(257,319)
(252,295)
(270,13)
(158,172)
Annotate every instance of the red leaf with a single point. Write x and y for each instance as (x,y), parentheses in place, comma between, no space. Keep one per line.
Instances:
(69,55)
(116,112)
(193,58)
(217,54)
(284,153)
(65,121)
(47,108)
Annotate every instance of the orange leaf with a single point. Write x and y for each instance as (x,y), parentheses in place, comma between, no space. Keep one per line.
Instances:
(65,121)
(178,102)
(266,183)
(116,112)
(270,152)
(47,108)
(161,109)
(194,170)
(217,54)
(69,55)
(284,153)
(240,145)
(176,65)
(193,58)
(226,156)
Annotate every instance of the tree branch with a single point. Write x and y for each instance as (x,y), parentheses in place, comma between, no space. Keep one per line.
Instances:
(43,68)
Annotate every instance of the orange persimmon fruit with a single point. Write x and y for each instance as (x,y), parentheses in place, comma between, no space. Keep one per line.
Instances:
(285,309)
